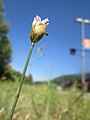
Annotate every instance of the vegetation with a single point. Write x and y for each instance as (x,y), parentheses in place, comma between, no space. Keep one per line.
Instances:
(62,80)
(16,75)
(5,46)
(33,103)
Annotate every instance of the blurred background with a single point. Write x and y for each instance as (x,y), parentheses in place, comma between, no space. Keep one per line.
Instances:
(51,57)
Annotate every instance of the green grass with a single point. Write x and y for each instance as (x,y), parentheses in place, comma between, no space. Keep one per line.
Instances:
(35,102)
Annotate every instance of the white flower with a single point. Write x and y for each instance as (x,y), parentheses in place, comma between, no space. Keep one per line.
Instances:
(38,29)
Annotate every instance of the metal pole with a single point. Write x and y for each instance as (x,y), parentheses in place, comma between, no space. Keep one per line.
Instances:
(83,22)
(83,77)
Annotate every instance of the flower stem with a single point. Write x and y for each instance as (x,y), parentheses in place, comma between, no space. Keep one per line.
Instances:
(49,100)
(21,83)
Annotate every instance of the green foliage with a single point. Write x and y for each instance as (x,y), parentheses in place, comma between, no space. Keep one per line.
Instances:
(4,26)
(5,46)
(69,78)
(17,75)
(29,79)
(33,103)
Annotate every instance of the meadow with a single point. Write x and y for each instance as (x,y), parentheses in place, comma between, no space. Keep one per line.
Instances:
(44,102)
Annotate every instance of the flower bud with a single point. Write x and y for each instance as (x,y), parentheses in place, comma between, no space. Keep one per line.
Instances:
(38,29)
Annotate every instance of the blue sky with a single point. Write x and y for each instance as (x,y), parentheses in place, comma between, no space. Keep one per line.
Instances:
(63,32)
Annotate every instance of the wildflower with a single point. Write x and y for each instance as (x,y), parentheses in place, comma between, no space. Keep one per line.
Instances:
(38,29)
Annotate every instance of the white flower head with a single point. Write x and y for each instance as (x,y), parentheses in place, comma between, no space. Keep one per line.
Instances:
(38,29)
(37,21)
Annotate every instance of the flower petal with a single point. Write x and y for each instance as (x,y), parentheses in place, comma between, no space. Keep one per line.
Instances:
(38,19)
(46,21)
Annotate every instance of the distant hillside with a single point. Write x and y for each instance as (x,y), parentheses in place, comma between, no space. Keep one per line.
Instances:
(69,78)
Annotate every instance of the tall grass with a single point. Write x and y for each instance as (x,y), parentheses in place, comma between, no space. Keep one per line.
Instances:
(43,102)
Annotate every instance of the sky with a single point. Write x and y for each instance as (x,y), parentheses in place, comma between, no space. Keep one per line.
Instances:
(64,33)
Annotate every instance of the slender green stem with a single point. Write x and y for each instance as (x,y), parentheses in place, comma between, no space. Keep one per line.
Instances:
(49,100)
(21,83)
(76,99)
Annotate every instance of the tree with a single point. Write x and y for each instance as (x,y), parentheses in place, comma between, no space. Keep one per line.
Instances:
(5,46)
(29,79)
